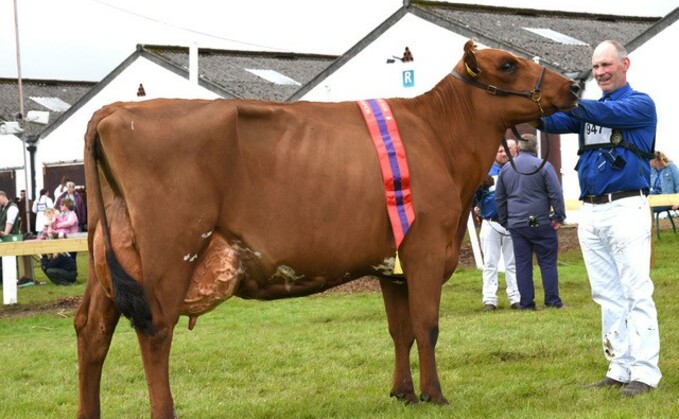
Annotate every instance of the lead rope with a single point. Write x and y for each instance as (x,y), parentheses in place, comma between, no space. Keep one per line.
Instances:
(511,159)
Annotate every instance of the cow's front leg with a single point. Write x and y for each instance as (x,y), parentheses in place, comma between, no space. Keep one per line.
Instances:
(155,353)
(424,299)
(94,324)
(398,318)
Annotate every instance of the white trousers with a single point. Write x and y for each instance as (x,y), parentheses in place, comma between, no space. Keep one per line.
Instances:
(496,242)
(615,239)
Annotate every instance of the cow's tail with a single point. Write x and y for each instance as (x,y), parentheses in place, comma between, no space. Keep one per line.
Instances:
(128,293)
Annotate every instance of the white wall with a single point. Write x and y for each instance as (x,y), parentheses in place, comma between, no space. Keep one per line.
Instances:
(66,142)
(652,70)
(367,75)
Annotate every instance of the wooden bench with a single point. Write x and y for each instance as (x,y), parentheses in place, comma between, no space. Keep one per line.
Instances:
(24,249)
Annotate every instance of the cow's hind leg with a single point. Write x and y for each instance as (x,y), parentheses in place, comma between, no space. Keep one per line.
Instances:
(155,353)
(94,324)
(398,318)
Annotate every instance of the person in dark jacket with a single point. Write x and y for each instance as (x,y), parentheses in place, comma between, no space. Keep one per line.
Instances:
(60,268)
(524,204)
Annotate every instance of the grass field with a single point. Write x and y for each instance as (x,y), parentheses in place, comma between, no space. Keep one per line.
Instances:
(330,356)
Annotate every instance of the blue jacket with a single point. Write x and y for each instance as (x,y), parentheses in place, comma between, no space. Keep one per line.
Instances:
(518,196)
(665,180)
(631,112)
(485,198)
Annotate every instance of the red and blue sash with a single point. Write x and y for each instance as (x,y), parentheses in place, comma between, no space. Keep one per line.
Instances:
(395,174)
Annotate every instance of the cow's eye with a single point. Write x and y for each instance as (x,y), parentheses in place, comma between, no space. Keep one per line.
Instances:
(508,67)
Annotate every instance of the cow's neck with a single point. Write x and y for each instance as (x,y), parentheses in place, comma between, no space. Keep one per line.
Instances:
(475,124)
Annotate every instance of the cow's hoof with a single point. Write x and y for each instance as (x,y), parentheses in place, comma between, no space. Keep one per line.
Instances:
(408,397)
(425,397)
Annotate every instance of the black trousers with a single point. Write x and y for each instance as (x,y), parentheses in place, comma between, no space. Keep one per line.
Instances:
(61,276)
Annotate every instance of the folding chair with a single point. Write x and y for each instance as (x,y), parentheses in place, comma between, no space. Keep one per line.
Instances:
(670,216)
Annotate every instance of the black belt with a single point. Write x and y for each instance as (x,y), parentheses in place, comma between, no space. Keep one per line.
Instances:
(605,199)
(492,219)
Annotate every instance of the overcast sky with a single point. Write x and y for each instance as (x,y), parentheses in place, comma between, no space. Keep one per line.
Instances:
(87,39)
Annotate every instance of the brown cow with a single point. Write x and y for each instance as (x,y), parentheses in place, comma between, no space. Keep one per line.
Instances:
(291,203)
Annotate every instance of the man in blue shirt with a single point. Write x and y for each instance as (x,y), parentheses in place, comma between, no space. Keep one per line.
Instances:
(495,239)
(524,203)
(617,135)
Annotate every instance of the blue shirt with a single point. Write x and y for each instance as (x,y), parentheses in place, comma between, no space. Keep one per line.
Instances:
(485,198)
(518,196)
(631,112)
(665,180)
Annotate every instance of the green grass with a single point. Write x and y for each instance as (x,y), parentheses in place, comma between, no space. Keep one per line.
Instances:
(330,355)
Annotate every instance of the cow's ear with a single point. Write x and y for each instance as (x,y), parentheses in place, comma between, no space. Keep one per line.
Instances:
(469,59)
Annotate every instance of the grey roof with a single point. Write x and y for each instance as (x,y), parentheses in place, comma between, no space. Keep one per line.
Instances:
(504,28)
(221,71)
(69,92)
(227,69)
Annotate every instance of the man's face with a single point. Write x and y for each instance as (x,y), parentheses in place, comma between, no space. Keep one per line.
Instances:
(501,156)
(608,69)
(3,200)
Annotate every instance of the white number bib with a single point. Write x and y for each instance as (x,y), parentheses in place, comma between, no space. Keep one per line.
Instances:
(595,135)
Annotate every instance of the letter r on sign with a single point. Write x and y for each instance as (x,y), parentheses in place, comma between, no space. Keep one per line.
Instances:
(408,78)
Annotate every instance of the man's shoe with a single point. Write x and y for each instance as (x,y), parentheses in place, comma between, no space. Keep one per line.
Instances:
(606,382)
(635,388)
(489,307)
(514,306)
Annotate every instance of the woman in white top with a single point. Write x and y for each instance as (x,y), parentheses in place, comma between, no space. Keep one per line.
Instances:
(39,207)
(61,188)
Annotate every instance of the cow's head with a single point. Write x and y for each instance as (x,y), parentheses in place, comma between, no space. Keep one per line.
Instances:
(502,73)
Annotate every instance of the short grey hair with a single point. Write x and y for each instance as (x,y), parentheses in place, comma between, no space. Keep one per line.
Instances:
(529,142)
(619,48)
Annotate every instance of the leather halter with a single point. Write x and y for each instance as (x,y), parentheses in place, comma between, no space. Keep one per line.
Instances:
(534,95)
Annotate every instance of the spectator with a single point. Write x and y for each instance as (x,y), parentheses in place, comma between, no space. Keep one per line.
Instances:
(9,220)
(39,206)
(61,188)
(67,222)
(664,178)
(78,202)
(9,216)
(49,230)
(495,239)
(59,268)
(26,215)
(524,205)
(617,134)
